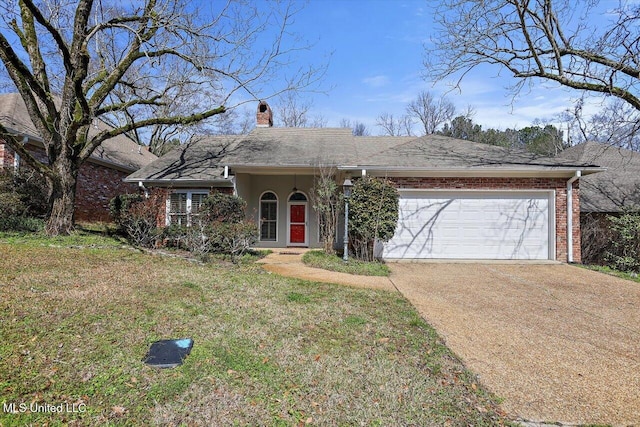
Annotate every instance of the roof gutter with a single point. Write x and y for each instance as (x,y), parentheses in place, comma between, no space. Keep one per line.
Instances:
(185,182)
(24,134)
(550,171)
(570,182)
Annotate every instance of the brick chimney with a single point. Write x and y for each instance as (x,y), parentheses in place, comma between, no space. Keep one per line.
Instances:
(264,116)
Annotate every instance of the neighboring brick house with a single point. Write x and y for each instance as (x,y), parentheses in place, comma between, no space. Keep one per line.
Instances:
(611,192)
(100,178)
(458,199)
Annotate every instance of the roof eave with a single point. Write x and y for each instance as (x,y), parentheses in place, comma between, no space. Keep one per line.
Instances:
(271,169)
(113,165)
(222,182)
(540,171)
(30,136)
(39,142)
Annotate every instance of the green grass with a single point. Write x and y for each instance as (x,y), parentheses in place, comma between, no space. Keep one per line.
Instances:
(78,314)
(81,238)
(608,270)
(319,259)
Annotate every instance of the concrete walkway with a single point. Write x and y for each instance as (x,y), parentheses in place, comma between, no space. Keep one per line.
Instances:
(288,262)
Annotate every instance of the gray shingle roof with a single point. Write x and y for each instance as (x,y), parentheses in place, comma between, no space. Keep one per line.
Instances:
(205,158)
(119,150)
(437,151)
(199,160)
(615,189)
(294,147)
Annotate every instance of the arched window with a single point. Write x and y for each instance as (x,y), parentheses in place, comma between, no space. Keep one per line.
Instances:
(268,217)
(298,197)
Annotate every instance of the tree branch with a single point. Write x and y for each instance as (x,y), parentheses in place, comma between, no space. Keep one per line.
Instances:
(29,40)
(176,120)
(51,29)
(12,141)
(527,38)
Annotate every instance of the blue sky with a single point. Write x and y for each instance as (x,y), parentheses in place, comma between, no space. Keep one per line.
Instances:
(376,65)
(375,51)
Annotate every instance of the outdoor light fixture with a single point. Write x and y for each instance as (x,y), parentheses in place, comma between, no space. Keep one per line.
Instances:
(346,188)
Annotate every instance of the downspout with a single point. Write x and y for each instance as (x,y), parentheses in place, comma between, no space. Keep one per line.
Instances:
(235,185)
(16,156)
(143,188)
(231,178)
(570,182)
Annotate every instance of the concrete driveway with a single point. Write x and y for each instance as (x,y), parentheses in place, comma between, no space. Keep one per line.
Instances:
(558,343)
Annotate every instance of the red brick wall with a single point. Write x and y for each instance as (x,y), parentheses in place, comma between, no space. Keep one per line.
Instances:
(160,195)
(523,184)
(97,185)
(6,157)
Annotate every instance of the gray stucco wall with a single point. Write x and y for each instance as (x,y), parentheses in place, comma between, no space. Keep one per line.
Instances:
(251,187)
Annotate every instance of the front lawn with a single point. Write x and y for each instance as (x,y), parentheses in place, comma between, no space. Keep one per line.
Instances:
(78,314)
(319,259)
(608,270)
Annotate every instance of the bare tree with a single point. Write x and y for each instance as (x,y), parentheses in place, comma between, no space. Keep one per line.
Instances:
(185,99)
(431,112)
(81,63)
(548,39)
(357,128)
(360,129)
(406,125)
(392,126)
(291,111)
(239,121)
(294,112)
(247,122)
(318,121)
(573,123)
(616,123)
(326,200)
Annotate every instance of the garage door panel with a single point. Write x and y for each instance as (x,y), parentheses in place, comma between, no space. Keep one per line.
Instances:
(497,225)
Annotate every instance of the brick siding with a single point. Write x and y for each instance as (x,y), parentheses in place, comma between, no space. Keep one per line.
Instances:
(161,196)
(4,157)
(97,185)
(522,184)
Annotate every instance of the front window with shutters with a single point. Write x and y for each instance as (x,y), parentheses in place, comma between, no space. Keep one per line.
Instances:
(183,207)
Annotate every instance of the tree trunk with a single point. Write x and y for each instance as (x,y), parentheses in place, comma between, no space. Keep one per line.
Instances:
(62,197)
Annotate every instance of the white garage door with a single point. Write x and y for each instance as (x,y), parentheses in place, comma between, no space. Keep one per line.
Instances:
(472,225)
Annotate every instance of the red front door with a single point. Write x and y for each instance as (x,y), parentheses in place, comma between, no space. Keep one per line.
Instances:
(297,224)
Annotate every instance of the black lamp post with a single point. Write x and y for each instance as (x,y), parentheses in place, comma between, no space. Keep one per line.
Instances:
(346,187)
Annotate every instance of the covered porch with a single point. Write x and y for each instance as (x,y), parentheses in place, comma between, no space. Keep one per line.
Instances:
(280,202)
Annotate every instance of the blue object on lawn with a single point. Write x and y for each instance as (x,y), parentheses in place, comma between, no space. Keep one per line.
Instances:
(168,353)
